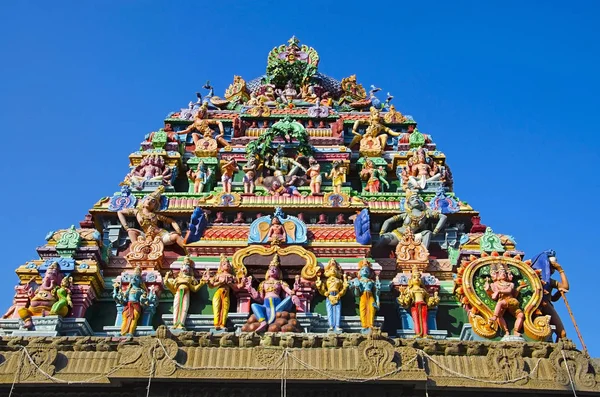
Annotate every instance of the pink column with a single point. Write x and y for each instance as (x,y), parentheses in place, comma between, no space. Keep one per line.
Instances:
(82,297)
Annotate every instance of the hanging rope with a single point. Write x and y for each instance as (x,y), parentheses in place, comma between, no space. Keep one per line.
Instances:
(568,373)
(18,372)
(152,362)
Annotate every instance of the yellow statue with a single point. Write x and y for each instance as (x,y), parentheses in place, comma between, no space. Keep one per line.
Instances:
(367,286)
(224,281)
(180,287)
(416,298)
(203,137)
(333,289)
(373,141)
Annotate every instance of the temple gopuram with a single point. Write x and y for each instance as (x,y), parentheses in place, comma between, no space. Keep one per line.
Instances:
(296,236)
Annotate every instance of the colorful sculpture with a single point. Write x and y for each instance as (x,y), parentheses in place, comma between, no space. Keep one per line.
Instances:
(150,169)
(503,291)
(250,170)
(227,171)
(416,217)
(333,289)
(314,173)
(373,141)
(337,176)
(43,298)
(199,177)
(203,137)
(63,296)
(420,170)
(225,282)
(181,287)
(416,298)
(375,177)
(269,295)
(148,219)
(367,288)
(134,298)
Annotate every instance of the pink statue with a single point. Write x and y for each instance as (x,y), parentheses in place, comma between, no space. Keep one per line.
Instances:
(503,291)
(314,173)
(44,297)
(227,172)
(419,171)
(151,168)
(277,232)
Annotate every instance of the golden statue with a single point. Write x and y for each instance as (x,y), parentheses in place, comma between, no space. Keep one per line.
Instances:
(333,289)
(393,116)
(225,281)
(237,91)
(416,298)
(373,141)
(203,137)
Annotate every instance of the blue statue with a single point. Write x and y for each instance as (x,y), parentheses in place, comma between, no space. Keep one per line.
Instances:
(362,227)
(198,224)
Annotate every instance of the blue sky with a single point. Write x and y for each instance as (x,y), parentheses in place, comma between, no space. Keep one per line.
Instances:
(509,91)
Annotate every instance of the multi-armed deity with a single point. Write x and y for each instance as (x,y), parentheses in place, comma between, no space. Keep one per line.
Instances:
(417,299)
(134,298)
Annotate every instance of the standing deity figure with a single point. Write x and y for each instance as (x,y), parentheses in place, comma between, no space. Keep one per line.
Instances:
(415,217)
(419,171)
(269,294)
(503,291)
(133,298)
(333,289)
(147,217)
(200,177)
(204,132)
(367,286)
(416,298)
(227,171)
(314,173)
(43,299)
(181,287)
(225,282)
(250,169)
(63,296)
(337,176)
(547,264)
(375,177)
(375,137)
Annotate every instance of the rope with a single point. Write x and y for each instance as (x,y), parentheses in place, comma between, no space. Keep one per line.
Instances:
(568,373)
(496,382)
(151,371)
(283,374)
(17,373)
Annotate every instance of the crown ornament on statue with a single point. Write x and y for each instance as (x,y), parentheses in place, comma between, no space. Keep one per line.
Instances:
(364,262)
(275,261)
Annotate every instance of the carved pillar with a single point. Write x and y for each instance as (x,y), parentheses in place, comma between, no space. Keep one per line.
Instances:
(243,302)
(82,297)
(306,294)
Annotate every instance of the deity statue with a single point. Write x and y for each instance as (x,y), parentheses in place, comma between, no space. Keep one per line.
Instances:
(225,282)
(284,168)
(375,177)
(415,217)
(250,169)
(204,135)
(279,190)
(333,289)
(133,298)
(181,287)
(314,173)
(419,171)
(393,116)
(151,168)
(416,298)
(237,91)
(42,299)
(269,295)
(503,291)
(367,286)
(277,233)
(227,171)
(260,108)
(337,176)
(63,296)
(351,90)
(546,263)
(373,141)
(148,218)
(289,93)
(200,177)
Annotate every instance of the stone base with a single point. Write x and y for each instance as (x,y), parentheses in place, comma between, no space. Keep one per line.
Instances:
(512,338)
(438,334)
(46,326)
(141,330)
(206,322)
(467,334)
(317,323)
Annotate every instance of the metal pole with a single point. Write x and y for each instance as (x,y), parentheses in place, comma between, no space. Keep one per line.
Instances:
(585,350)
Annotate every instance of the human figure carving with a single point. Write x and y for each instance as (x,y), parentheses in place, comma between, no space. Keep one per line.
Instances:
(181,287)
(503,291)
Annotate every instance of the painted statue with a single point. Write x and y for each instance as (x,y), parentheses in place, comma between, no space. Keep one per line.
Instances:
(314,173)
(269,295)
(547,265)
(43,298)
(277,233)
(284,168)
(204,132)
(225,282)
(151,169)
(373,141)
(393,116)
(416,216)
(366,286)
(333,289)
(416,298)
(278,189)
(63,297)
(250,169)
(227,171)
(181,287)
(337,176)
(503,290)
(199,177)
(289,93)
(134,298)
(375,177)
(420,170)
(148,218)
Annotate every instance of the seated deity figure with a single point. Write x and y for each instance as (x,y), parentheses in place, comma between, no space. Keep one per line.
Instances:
(289,93)
(333,289)
(375,177)
(203,130)
(367,286)
(148,218)
(225,282)
(416,298)
(269,295)
(284,168)
(277,233)
(419,171)
(42,299)
(181,287)
(503,291)
(134,298)
(374,139)
(415,217)
(151,168)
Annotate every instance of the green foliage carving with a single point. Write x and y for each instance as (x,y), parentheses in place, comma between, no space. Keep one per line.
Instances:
(286,129)
(280,71)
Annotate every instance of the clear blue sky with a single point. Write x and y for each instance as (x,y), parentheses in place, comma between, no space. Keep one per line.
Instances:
(508,91)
